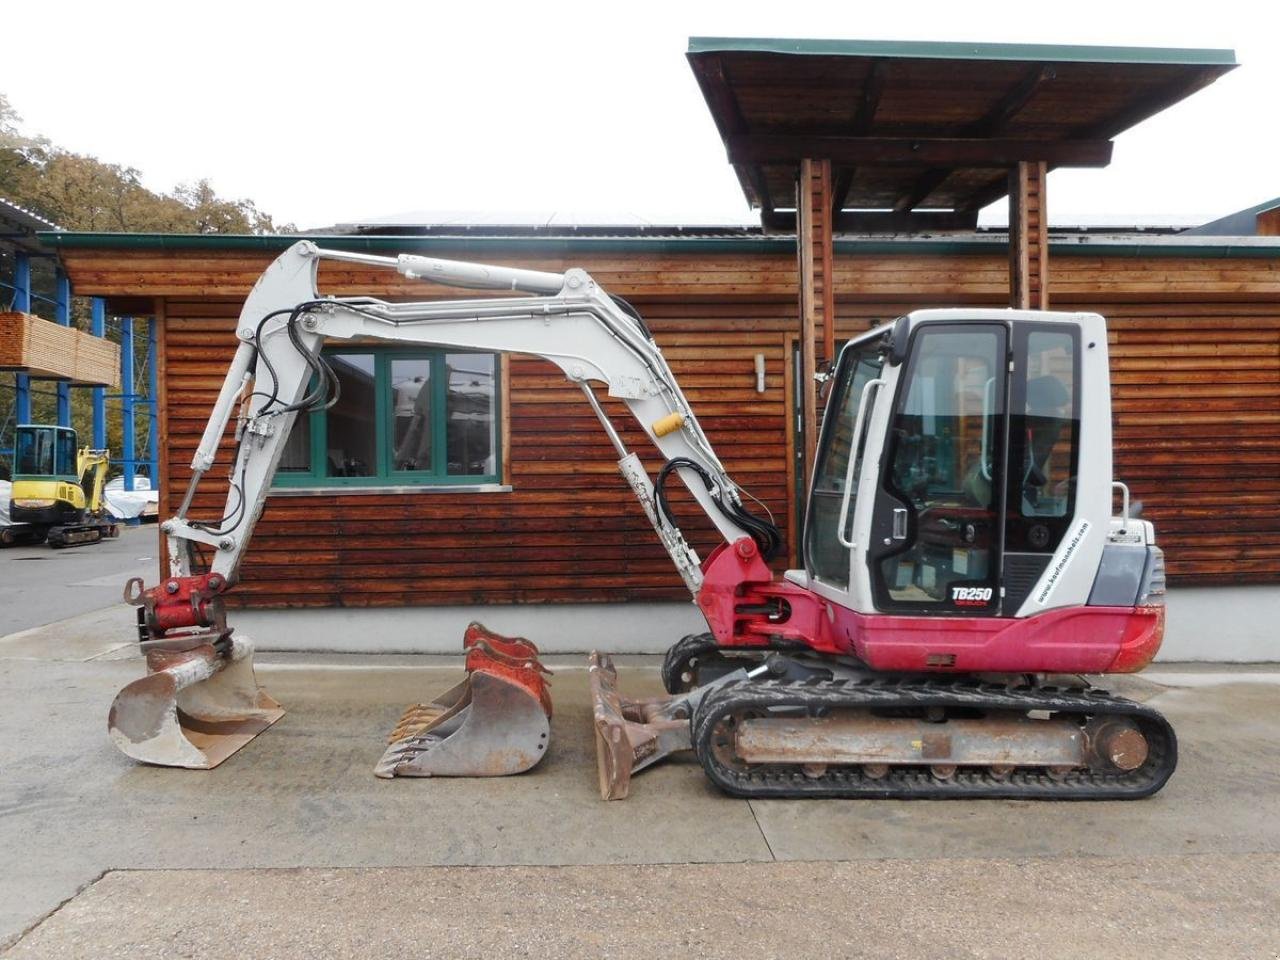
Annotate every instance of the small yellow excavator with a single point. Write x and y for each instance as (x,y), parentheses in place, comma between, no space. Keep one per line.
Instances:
(57,489)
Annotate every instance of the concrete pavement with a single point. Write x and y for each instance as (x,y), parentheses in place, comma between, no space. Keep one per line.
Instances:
(1115,907)
(80,823)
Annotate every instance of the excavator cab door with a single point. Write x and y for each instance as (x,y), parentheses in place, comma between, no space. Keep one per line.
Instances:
(936,529)
(829,541)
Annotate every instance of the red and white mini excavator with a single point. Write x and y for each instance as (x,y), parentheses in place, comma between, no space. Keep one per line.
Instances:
(962,566)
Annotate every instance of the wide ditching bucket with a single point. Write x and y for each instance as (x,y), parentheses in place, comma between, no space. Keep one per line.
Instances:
(495,723)
(195,707)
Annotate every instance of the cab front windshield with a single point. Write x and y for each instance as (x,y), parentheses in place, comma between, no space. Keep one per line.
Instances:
(44,452)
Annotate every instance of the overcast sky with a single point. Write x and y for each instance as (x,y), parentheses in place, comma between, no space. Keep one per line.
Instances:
(330,112)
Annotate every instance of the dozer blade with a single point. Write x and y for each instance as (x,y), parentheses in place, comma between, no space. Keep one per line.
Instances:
(194,708)
(632,734)
(494,724)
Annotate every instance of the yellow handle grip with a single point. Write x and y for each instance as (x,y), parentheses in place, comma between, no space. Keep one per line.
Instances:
(668,424)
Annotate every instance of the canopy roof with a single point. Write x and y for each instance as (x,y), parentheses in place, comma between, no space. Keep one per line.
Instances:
(932,127)
(18,226)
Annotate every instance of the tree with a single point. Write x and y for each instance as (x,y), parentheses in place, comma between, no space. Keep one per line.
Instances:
(16,151)
(81,192)
(213,214)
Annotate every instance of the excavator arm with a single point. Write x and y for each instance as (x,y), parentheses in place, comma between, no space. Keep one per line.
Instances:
(197,669)
(92,466)
(278,374)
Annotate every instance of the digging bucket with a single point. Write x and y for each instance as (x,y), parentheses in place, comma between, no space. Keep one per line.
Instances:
(495,723)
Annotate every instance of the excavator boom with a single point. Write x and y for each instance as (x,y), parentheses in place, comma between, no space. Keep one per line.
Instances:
(597,341)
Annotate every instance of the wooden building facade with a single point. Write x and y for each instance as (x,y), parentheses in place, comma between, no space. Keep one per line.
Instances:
(1195,352)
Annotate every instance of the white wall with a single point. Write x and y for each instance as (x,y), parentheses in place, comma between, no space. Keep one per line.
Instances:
(555,628)
(1222,624)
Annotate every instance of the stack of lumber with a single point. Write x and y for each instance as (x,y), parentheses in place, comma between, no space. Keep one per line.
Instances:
(44,349)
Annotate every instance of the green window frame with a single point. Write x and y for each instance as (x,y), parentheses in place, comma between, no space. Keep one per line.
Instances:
(383,473)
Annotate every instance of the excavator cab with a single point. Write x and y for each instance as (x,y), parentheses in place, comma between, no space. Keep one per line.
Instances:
(950,466)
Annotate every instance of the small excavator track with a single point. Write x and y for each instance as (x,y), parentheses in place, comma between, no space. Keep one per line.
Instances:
(81,535)
(714,740)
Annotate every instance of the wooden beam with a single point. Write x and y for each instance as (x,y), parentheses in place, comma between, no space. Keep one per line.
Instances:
(808,315)
(928,182)
(1028,238)
(841,185)
(883,221)
(917,151)
(1008,106)
(990,124)
(755,174)
(1019,256)
(710,74)
(1038,175)
(868,104)
(990,194)
(824,240)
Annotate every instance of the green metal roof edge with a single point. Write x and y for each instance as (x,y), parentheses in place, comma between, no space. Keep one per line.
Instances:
(950,50)
(939,246)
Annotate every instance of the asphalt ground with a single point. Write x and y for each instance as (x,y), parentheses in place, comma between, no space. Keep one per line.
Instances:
(39,584)
(293,849)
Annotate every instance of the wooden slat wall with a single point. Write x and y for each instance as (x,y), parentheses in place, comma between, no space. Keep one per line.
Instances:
(1196,395)
(1196,367)
(907,279)
(570,531)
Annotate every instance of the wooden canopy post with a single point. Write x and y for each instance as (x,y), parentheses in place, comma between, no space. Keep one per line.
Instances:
(817,291)
(1028,237)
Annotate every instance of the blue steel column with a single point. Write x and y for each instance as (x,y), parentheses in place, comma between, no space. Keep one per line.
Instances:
(153,458)
(128,454)
(22,303)
(99,329)
(62,308)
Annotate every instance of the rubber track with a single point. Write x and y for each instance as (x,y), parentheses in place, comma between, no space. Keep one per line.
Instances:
(916,782)
(58,536)
(679,653)
(699,645)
